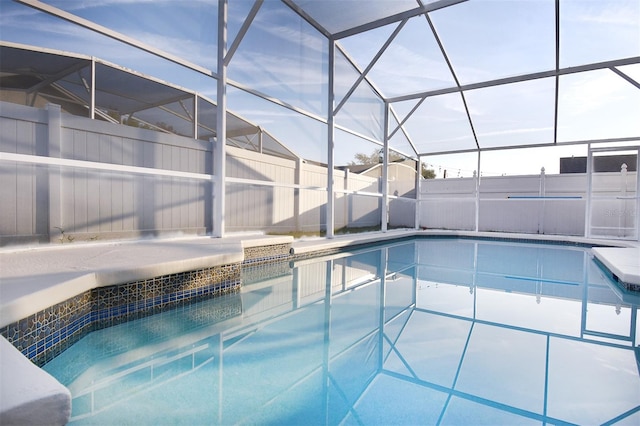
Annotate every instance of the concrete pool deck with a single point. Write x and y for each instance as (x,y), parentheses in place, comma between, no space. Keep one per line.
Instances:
(34,278)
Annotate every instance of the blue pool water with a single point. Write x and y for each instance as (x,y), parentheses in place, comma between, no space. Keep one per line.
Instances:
(428,331)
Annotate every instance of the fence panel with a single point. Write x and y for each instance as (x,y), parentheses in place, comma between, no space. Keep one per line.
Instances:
(69,178)
(553,204)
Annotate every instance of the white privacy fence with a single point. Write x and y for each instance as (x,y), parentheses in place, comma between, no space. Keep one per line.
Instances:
(283,195)
(66,178)
(536,204)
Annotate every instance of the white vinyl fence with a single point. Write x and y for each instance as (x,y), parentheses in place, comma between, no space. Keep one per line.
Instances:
(66,178)
(535,204)
(283,195)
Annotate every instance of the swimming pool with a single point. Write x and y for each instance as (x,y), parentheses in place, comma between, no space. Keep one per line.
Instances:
(424,331)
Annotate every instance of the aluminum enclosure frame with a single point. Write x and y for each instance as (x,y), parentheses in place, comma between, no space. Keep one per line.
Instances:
(225,53)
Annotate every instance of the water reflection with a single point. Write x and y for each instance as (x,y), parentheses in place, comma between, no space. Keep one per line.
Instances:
(428,331)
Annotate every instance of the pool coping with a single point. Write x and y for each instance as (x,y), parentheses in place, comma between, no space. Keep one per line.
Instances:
(623,263)
(32,279)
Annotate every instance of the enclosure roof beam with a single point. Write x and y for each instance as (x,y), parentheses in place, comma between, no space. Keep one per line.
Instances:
(274,100)
(520,78)
(74,19)
(401,123)
(536,145)
(395,18)
(304,15)
(243,30)
(455,78)
(364,73)
(353,63)
(404,120)
(626,77)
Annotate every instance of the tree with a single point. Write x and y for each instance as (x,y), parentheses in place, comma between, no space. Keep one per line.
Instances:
(428,173)
(374,158)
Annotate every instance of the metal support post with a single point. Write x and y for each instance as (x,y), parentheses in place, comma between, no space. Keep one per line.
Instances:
(385,171)
(219,151)
(330,214)
(416,220)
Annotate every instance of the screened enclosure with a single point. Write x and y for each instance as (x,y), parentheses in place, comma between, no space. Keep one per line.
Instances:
(332,113)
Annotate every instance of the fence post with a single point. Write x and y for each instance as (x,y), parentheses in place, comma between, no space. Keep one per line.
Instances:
(54,140)
(541,193)
(589,200)
(347,199)
(416,209)
(622,216)
(297,193)
(476,182)
(416,213)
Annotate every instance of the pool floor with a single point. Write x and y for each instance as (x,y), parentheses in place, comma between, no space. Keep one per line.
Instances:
(425,331)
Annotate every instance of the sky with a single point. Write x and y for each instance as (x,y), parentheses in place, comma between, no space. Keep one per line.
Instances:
(285,58)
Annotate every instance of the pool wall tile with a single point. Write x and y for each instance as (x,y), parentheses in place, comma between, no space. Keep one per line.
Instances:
(46,334)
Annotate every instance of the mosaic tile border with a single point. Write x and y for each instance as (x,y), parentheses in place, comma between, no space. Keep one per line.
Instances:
(42,336)
(266,254)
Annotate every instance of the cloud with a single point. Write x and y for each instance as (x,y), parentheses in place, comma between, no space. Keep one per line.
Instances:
(614,13)
(510,132)
(277,75)
(401,70)
(590,91)
(281,24)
